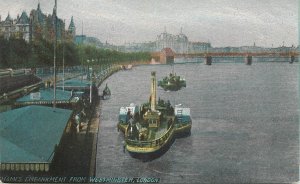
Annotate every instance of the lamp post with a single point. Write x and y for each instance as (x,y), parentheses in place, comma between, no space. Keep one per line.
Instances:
(54,54)
(88,70)
(63,42)
(92,72)
(88,77)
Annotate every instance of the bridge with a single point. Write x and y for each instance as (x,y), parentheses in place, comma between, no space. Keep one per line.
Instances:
(292,55)
(232,54)
(239,54)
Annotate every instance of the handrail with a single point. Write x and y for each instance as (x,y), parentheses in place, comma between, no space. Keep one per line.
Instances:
(156,142)
(25,88)
(11,73)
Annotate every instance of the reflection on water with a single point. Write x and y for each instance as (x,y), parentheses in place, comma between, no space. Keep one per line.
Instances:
(245,124)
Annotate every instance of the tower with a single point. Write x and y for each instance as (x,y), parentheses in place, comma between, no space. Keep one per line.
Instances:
(152,117)
(54,16)
(153,91)
(39,7)
(72,28)
(55,8)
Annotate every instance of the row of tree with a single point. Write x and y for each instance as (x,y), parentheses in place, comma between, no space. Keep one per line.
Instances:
(17,53)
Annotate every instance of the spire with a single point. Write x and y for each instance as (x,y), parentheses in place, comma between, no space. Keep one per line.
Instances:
(54,16)
(55,8)
(181,30)
(8,18)
(40,17)
(72,25)
(72,28)
(39,7)
(165,29)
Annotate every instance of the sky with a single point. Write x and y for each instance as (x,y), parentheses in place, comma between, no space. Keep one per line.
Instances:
(268,23)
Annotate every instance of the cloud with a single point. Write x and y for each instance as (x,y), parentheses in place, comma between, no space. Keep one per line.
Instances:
(223,22)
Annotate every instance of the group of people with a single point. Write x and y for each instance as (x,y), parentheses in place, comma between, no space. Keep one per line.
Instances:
(80,116)
(167,105)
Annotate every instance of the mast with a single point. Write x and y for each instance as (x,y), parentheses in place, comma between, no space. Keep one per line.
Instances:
(63,42)
(81,53)
(54,58)
(173,68)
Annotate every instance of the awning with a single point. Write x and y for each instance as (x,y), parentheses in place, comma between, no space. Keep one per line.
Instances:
(29,135)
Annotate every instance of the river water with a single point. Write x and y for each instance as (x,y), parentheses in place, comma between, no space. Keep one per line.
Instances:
(245,124)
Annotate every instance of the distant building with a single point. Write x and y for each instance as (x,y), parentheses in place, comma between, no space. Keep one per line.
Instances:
(179,43)
(43,25)
(79,39)
(18,28)
(167,56)
(139,47)
(37,26)
(87,40)
(196,47)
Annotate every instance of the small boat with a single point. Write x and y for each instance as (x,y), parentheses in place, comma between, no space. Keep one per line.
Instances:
(208,60)
(172,82)
(248,60)
(129,67)
(292,59)
(151,128)
(126,67)
(106,93)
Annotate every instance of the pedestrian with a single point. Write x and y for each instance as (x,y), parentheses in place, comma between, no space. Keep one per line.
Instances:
(73,130)
(77,120)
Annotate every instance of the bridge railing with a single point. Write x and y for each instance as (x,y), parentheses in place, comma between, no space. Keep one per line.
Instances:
(266,54)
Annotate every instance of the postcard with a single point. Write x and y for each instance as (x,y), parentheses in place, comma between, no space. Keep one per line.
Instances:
(131,91)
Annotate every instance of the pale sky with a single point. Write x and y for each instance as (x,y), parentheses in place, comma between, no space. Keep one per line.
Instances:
(221,22)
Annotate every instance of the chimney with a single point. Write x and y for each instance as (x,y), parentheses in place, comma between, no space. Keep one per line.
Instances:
(153,91)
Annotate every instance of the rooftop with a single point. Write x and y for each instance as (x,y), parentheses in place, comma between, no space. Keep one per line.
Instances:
(74,83)
(30,134)
(46,95)
(23,19)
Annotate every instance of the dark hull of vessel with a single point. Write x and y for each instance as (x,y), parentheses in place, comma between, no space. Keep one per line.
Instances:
(181,132)
(149,156)
(121,127)
(105,97)
(172,87)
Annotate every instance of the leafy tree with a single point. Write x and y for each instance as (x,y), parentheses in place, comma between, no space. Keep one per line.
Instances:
(16,53)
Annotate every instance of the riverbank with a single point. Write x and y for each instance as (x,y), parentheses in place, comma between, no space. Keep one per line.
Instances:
(78,154)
